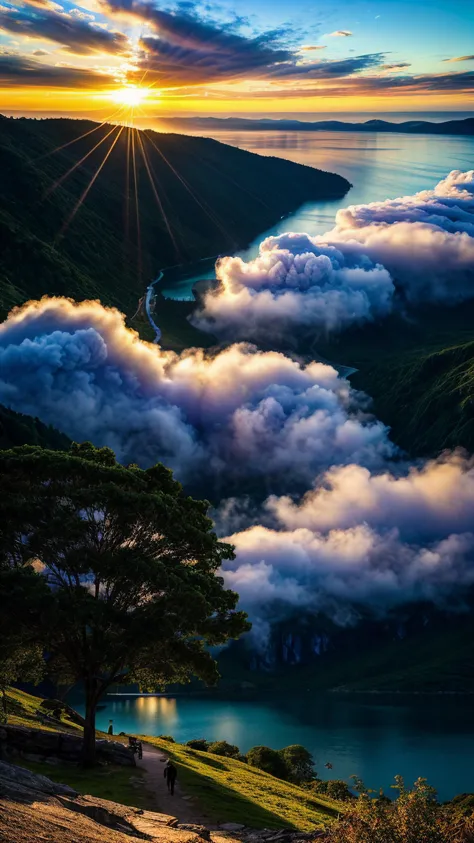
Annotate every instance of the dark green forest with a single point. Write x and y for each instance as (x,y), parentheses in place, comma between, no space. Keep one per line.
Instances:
(196,198)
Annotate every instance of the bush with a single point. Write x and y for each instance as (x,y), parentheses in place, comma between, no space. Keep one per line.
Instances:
(198,743)
(334,789)
(268,760)
(166,738)
(299,763)
(414,817)
(224,748)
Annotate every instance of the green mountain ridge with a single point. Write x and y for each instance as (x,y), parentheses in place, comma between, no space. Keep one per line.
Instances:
(71,235)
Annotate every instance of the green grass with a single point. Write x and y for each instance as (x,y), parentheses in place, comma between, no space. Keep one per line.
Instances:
(109,782)
(22,708)
(232,791)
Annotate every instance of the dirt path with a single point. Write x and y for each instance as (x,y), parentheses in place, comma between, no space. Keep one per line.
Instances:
(180,805)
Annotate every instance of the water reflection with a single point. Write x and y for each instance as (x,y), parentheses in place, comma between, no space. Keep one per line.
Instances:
(375,738)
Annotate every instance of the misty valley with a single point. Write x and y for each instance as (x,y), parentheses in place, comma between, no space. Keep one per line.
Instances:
(237,482)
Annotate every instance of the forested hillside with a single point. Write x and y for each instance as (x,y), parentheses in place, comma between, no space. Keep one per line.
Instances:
(158,200)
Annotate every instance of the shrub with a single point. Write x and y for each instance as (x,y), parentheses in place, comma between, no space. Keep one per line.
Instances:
(334,788)
(224,748)
(269,760)
(166,738)
(414,817)
(298,762)
(198,743)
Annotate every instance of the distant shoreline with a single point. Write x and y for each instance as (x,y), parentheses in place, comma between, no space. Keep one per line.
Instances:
(463,127)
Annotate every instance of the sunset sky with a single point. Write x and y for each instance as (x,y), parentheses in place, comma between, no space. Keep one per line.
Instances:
(269,56)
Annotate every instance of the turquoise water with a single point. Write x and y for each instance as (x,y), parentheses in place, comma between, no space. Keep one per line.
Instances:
(379,166)
(372,737)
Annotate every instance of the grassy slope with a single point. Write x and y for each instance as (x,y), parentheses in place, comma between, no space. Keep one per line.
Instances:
(110,782)
(228,790)
(232,791)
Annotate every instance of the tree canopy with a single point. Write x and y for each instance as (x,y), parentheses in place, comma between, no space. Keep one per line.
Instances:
(130,565)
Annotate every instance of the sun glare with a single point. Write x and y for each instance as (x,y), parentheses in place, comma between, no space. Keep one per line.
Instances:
(130,95)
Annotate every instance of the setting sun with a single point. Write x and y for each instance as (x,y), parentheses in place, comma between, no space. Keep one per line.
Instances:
(130,95)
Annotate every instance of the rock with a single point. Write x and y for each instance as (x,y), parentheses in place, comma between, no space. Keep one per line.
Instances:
(231,826)
(201,830)
(37,743)
(17,779)
(34,808)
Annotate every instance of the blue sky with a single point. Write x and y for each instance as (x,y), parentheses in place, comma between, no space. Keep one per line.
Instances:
(255,57)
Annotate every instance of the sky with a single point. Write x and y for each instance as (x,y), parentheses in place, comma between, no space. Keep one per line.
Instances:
(99,57)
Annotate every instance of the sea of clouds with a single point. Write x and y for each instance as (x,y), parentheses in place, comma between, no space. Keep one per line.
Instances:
(340,520)
(378,256)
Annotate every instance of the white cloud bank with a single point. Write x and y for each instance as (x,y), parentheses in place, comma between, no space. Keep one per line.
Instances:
(420,247)
(239,414)
(362,540)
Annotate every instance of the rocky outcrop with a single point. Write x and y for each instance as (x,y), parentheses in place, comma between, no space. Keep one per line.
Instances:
(33,744)
(33,808)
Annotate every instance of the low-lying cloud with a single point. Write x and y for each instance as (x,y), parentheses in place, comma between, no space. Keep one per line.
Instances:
(419,248)
(238,415)
(362,540)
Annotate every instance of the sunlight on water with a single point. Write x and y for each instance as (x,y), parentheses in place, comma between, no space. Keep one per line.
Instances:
(375,738)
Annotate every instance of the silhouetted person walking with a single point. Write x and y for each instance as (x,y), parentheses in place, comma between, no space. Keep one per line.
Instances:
(170,773)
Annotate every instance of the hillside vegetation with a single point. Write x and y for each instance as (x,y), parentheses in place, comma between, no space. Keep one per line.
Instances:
(234,791)
(160,199)
(419,371)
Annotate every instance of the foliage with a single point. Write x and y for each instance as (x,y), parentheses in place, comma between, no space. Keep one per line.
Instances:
(131,567)
(167,738)
(298,762)
(198,743)
(269,760)
(228,790)
(228,750)
(414,817)
(18,429)
(334,788)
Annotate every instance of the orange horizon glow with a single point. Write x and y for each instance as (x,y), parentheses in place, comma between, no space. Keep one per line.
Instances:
(153,104)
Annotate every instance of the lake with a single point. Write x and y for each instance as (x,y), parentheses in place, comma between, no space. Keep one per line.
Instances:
(379,166)
(372,737)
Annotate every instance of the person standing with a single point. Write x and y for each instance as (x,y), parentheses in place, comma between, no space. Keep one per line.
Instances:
(170,773)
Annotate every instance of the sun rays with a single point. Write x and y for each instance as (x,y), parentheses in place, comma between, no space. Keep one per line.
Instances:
(137,149)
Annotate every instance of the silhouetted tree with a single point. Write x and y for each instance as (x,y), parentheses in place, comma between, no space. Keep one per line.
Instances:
(130,565)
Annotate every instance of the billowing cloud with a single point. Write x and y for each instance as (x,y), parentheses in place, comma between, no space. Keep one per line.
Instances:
(236,415)
(426,241)
(294,282)
(420,246)
(71,32)
(362,540)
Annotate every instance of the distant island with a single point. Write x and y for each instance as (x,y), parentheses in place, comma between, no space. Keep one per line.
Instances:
(448,127)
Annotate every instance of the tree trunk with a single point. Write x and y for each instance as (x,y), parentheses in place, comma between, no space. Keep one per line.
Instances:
(4,704)
(88,740)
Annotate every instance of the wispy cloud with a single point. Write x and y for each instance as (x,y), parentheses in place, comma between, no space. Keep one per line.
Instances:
(460,58)
(307,47)
(340,33)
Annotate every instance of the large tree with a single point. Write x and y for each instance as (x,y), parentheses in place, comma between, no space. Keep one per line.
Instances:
(131,566)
